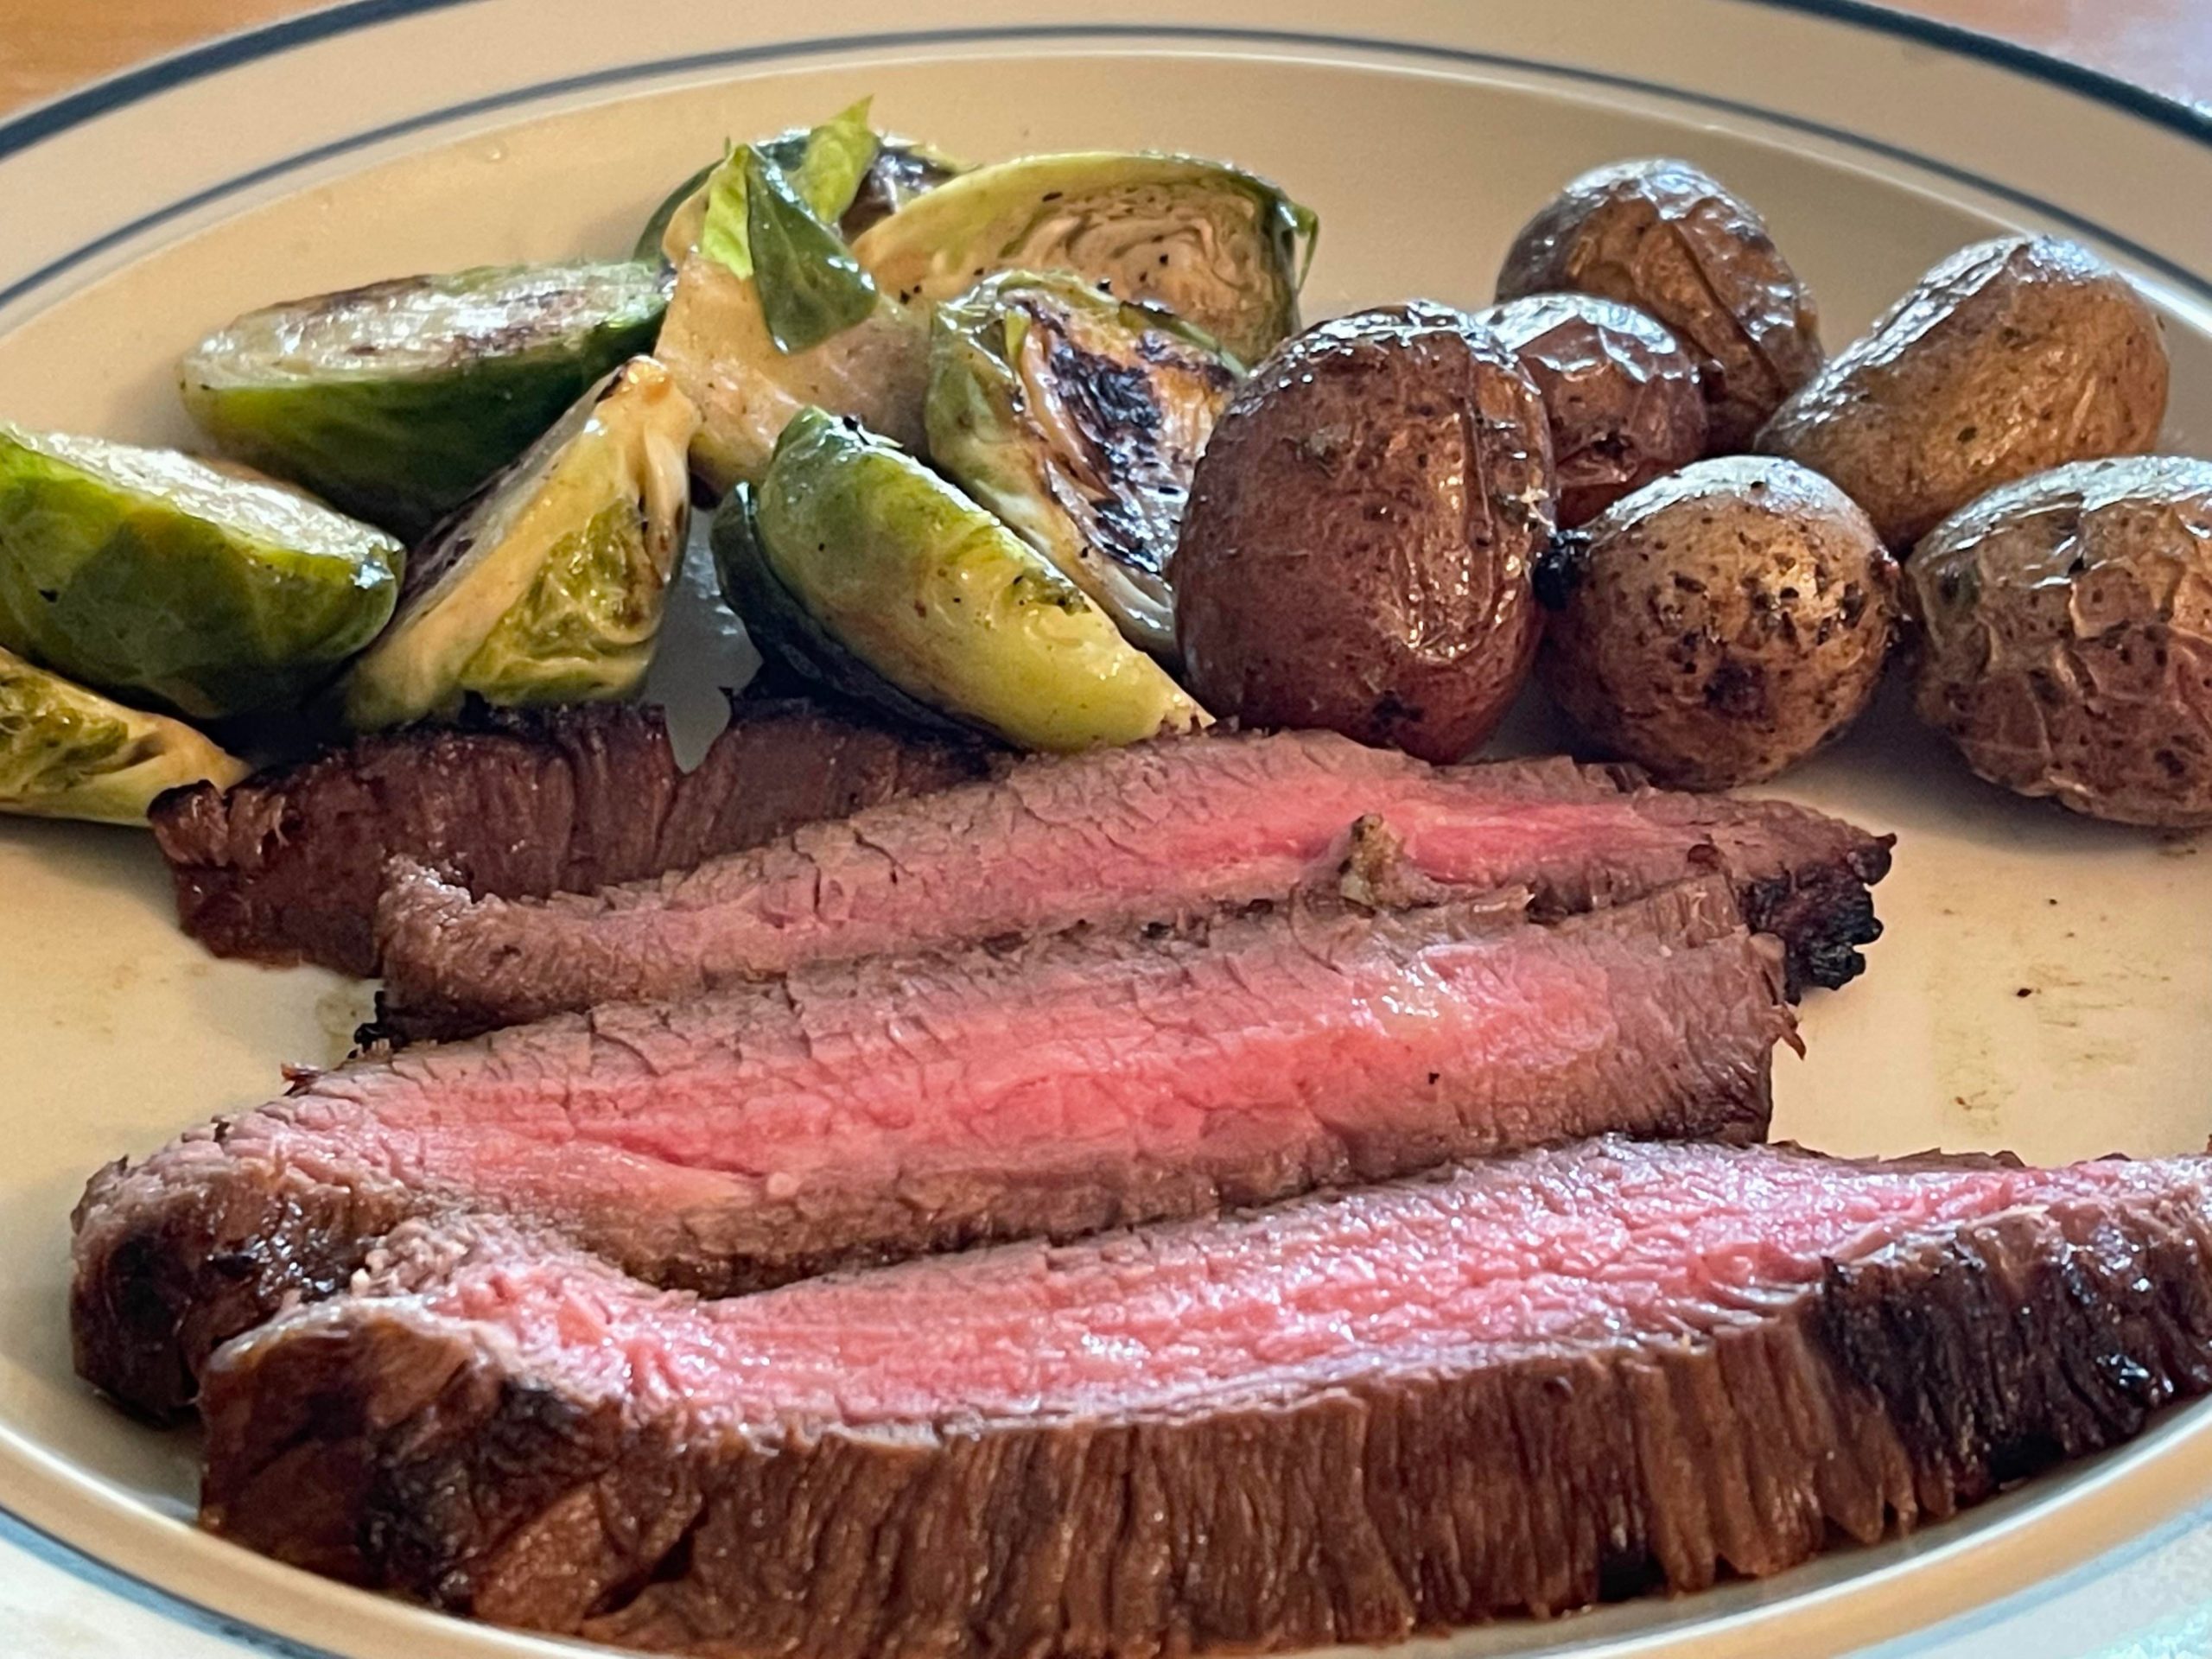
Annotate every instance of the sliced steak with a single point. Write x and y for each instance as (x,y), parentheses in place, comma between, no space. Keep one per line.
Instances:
(862,1113)
(286,865)
(1534,1384)
(1144,834)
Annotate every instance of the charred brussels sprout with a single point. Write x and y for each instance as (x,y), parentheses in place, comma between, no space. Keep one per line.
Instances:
(152,575)
(1078,419)
(68,752)
(549,588)
(395,401)
(1220,248)
(868,571)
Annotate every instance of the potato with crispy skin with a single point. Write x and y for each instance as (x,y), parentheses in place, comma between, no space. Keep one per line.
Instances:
(2066,627)
(1721,624)
(1362,528)
(1621,394)
(2009,356)
(1674,242)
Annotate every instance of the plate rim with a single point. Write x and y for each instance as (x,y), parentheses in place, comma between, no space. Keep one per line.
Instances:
(36,123)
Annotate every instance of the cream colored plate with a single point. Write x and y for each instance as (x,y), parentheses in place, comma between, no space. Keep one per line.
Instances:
(1421,157)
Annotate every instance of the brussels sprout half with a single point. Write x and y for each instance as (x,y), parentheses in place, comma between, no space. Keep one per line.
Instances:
(549,586)
(397,400)
(1219,247)
(68,752)
(151,574)
(1078,418)
(875,558)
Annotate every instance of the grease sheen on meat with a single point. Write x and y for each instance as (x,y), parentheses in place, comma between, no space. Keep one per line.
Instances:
(1357,552)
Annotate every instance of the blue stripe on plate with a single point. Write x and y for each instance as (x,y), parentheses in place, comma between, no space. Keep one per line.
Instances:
(58,116)
(2046,212)
(17,1534)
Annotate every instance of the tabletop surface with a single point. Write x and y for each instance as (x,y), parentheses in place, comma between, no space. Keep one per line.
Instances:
(54,1605)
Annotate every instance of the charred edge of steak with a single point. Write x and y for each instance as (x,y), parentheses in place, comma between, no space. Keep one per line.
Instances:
(1899,1388)
(160,1284)
(1823,915)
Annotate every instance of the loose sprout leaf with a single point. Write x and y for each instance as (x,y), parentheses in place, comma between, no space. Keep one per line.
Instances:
(68,753)
(825,170)
(811,288)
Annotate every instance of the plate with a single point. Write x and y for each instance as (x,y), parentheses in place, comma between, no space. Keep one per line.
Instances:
(382,137)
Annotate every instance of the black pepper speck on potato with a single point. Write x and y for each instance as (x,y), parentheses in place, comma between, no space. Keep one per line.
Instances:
(1720,625)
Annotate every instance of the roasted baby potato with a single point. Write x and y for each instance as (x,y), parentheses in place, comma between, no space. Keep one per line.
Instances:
(2067,631)
(2009,356)
(1672,241)
(1721,624)
(1621,394)
(1358,550)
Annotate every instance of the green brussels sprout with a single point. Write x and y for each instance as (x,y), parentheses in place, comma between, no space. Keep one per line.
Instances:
(900,169)
(549,586)
(893,575)
(68,752)
(1220,248)
(157,576)
(717,343)
(395,401)
(1078,418)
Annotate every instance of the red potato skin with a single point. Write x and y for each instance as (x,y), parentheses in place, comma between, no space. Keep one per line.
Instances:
(1623,396)
(1362,532)
(1673,241)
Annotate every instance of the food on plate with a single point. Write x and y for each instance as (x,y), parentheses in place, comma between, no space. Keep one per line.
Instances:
(1541,1382)
(1078,419)
(68,753)
(1721,624)
(286,867)
(1124,836)
(1357,551)
(1620,394)
(1675,243)
(886,172)
(767,1133)
(394,401)
(549,586)
(862,567)
(717,344)
(1222,250)
(153,576)
(2009,356)
(2065,637)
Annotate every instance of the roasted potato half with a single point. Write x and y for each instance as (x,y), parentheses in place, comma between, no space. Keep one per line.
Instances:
(1358,550)
(1621,394)
(2067,637)
(2009,357)
(1675,243)
(1721,624)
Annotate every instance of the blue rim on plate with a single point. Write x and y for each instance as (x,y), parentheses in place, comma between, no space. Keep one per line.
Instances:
(46,120)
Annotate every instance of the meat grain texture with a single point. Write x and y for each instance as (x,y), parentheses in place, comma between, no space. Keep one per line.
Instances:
(860,1113)
(286,867)
(1527,1386)
(1117,838)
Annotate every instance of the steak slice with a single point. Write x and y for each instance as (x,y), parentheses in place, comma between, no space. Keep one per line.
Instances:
(1142,834)
(876,1110)
(286,867)
(1533,1384)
